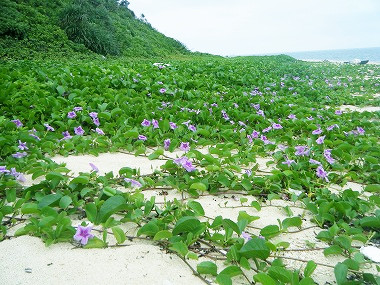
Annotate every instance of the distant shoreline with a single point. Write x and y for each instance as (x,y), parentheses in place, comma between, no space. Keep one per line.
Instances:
(336,61)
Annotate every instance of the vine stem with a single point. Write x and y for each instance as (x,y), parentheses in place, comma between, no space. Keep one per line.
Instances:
(192,269)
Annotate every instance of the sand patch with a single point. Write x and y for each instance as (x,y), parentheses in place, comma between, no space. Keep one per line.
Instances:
(359,109)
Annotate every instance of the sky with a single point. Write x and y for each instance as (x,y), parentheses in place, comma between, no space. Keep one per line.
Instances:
(248,27)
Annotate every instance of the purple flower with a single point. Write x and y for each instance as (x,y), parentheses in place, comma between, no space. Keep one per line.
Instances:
(71,115)
(321,173)
(133,182)
(96,121)
(276,126)
(282,147)
(155,124)
(35,136)
(77,109)
(17,122)
(313,161)
(292,116)
(19,176)
(246,236)
(301,150)
(162,90)
(83,234)
(320,140)
(79,131)
(173,126)
(3,169)
(93,167)
(185,163)
(248,172)
(256,106)
(192,128)
(99,131)
(249,138)
(310,118)
(329,128)
(145,123)
(328,157)
(66,135)
(142,138)
(260,113)
(167,144)
(360,130)
(255,134)
(22,145)
(185,146)
(93,115)
(288,162)
(267,129)
(19,154)
(317,131)
(338,112)
(49,128)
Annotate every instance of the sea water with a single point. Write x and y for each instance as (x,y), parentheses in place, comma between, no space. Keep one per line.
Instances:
(371,54)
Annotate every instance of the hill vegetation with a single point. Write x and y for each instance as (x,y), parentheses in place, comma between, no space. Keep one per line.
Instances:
(30,28)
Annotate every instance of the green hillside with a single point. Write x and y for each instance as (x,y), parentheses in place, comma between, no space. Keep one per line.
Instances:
(33,28)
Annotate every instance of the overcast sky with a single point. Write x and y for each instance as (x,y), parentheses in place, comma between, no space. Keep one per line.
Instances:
(246,27)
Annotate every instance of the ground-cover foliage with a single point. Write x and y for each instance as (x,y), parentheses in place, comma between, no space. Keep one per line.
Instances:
(242,109)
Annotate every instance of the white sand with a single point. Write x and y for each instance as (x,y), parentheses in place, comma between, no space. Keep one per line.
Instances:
(359,109)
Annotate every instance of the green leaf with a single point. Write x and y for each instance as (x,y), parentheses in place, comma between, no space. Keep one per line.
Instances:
(231,271)
(80,180)
(292,222)
(280,273)
(119,235)
(109,191)
(110,206)
(149,229)
(245,263)
(207,267)
(48,200)
(227,223)
(95,243)
(196,207)
(309,269)
(373,188)
(222,279)
(340,272)
(180,248)
(164,234)
(270,231)
(256,205)
(255,248)
(54,175)
(370,222)
(11,195)
(29,208)
(334,249)
(186,224)
(198,186)
(60,89)
(91,212)
(246,184)
(264,279)
(131,134)
(65,202)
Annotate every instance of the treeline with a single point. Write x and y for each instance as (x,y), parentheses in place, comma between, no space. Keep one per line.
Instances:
(106,27)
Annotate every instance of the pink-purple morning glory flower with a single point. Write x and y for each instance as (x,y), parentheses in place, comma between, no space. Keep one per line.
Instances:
(172,125)
(301,150)
(162,90)
(260,113)
(192,128)
(317,131)
(246,236)
(155,124)
(142,138)
(267,129)
(255,134)
(3,169)
(185,163)
(313,161)
(83,234)
(166,144)
(328,157)
(321,173)
(276,126)
(71,115)
(338,112)
(22,145)
(96,121)
(185,146)
(49,128)
(145,123)
(360,130)
(99,131)
(292,116)
(17,122)
(79,131)
(93,167)
(93,115)
(19,176)
(77,109)
(19,154)
(329,128)
(320,139)
(288,162)
(134,183)
(66,135)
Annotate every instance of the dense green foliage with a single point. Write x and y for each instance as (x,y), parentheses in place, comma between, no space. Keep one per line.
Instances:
(226,104)
(35,28)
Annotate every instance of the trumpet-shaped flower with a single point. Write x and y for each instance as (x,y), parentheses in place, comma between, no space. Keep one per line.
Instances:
(83,234)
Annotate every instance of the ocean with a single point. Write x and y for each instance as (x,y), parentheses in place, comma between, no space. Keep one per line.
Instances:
(372,54)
